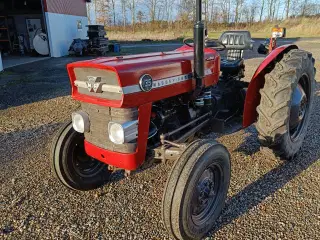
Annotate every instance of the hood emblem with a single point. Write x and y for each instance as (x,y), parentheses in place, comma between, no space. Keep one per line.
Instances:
(94,84)
(146,82)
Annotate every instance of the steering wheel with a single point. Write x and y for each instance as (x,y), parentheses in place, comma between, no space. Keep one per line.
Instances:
(186,43)
(209,43)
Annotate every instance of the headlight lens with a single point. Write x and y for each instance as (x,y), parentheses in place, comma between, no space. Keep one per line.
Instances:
(123,133)
(80,122)
(116,133)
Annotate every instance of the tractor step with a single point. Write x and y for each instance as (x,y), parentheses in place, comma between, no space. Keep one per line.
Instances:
(227,127)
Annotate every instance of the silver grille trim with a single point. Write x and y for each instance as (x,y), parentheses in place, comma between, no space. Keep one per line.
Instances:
(105,88)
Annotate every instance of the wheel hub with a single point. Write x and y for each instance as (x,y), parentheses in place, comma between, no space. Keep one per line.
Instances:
(302,109)
(204,195)
(206,190)
(84,165)
(298,110)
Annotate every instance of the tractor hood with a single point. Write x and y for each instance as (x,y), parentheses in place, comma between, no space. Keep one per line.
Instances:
(129,81)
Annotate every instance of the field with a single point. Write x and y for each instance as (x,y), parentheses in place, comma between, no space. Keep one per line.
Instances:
(301,27)
(267,199)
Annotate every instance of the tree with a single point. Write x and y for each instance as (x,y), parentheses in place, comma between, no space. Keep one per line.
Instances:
(90,9)
(288,2)
(102,11)
(124,12)
(249,11)
(272,8)
(152,7)
(304,8)
(132,8)
(239,4)
(140,16)
(166,12)
(261,10)
(113,6)
(168,9)
(187,10)
(246,13)
(253,10)
(214,11)
(225,10)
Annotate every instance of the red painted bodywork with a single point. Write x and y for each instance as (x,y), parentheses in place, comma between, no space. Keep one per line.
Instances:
(128,70)
(257,82)
(272,44)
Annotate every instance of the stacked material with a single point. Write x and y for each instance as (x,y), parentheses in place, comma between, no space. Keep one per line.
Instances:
(98,44)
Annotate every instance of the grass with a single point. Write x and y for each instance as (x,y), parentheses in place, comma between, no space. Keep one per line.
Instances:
(300,27)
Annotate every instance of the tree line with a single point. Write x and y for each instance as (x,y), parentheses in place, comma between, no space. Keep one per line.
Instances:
(131,12)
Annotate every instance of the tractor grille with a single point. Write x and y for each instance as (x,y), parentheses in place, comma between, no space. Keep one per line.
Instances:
(99,119)
(107,77)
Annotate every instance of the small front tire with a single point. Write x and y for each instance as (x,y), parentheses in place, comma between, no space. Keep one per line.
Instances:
(70,163)
(196,190)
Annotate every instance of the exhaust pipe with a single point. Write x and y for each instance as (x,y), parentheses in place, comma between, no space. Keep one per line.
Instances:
(199,32)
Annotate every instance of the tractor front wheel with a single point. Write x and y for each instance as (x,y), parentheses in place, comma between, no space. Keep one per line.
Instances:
(286,102)
(70,163)
(196,190)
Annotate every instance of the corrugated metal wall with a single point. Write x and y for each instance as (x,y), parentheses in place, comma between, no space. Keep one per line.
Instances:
(69,7)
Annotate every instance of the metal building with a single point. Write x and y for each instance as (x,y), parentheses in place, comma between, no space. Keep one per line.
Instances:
(21,20)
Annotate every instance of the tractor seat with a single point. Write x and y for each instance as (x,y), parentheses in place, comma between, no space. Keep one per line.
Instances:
(235,43)
(231,66)
(237,40)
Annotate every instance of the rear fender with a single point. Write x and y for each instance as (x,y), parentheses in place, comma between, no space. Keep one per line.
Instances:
(253,96)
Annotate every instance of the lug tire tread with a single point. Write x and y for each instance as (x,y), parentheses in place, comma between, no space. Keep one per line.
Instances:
(274,108)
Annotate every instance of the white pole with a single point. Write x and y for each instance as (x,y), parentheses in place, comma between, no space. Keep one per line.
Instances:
(1,66)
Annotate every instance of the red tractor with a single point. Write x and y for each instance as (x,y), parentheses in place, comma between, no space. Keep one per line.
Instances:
(154,106)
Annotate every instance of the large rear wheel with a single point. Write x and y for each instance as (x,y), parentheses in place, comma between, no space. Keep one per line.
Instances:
(70,163)
(286,102)
(196,190)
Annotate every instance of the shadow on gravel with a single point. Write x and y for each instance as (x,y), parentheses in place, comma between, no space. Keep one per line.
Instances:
(256,192)
(119,174)
(33,82)
(251,144)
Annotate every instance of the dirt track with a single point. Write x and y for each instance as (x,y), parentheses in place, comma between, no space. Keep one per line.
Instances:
(268,198)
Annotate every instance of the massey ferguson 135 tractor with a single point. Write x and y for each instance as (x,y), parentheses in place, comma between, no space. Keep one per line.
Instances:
(153,106)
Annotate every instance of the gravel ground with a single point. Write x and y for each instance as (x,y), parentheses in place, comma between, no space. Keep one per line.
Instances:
(268,198)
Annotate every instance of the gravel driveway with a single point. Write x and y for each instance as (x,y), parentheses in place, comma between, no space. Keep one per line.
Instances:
(268,198)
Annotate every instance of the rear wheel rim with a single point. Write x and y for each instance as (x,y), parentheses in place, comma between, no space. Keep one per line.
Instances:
(84,165)
(295,130)
(206,195)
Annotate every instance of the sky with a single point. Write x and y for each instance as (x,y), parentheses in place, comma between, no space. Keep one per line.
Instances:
(144,9)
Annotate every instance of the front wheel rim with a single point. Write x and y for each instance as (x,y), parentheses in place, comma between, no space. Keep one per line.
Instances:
(84,165)
(206,195)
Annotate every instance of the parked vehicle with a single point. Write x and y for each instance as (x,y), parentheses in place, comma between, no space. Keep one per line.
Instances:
(155,105)
(267,46)
(279,32)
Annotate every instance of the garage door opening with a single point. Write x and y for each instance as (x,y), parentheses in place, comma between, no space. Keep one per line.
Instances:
(23,34)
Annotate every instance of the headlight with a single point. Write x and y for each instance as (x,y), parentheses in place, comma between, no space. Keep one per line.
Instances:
(123,133)
(80,122)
